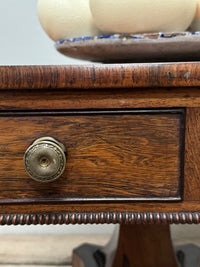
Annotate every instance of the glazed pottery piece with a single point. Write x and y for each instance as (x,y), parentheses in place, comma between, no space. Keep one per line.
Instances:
(66,18)
(141,16)
(118,48)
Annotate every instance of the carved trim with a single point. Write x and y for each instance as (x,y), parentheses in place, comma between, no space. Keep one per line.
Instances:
(100,218)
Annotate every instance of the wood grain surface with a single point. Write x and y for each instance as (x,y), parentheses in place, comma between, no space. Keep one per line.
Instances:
(92,213)
(102,87)
(144,246)
(101,76)
(63,99)
(127,155)
(192,155)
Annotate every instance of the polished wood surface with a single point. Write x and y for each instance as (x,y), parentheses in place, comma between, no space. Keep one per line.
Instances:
(132,138)
(69,99)
(144,246)
(111,156)
(185,208)
(48,89)
(98,76)
(192,155)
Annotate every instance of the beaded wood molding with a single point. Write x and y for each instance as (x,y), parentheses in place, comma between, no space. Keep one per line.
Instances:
(100,218)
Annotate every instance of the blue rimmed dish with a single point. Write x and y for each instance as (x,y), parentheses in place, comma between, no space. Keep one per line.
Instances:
(133,48)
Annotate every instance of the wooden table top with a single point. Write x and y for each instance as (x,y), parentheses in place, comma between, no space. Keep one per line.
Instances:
(97,76)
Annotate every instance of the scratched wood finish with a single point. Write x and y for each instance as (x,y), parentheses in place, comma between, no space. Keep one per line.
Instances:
(114,156)
(101,76)
(144,246)
(192,155)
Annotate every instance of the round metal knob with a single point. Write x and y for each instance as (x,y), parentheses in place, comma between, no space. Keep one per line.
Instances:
(45,160)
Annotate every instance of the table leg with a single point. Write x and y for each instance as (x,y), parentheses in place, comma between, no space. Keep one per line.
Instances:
(134,246)
(144,246)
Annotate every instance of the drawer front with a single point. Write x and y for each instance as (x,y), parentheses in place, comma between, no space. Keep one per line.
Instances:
(111,155)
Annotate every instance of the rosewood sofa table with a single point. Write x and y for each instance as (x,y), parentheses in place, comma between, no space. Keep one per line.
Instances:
(103,144)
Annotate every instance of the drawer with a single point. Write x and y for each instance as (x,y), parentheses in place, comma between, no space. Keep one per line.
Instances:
(111,155)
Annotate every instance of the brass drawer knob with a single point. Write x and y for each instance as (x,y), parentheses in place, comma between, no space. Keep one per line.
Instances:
(45,160)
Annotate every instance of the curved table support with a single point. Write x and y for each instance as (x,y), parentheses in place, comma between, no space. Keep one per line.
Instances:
(144,246)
